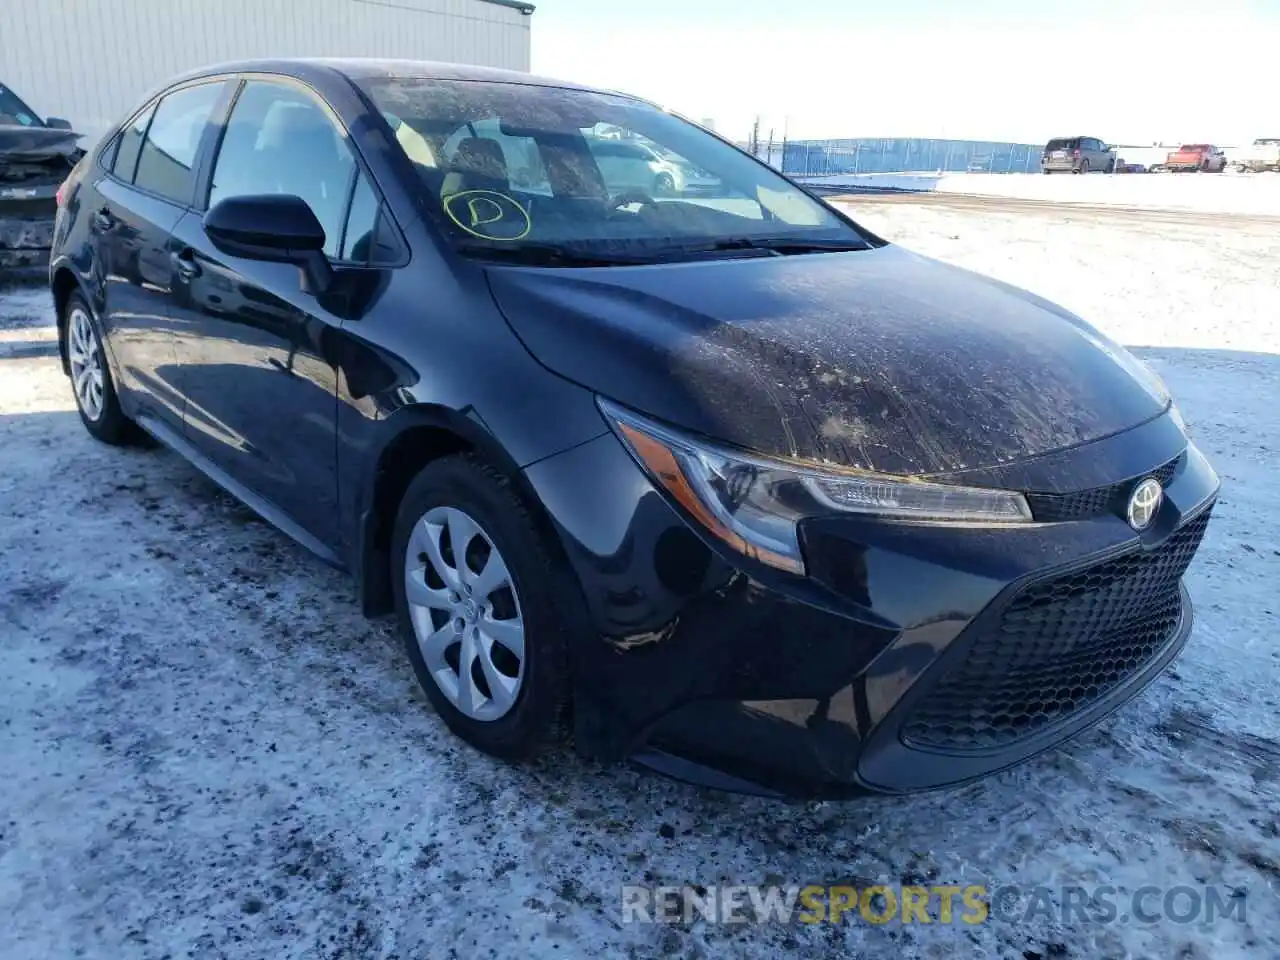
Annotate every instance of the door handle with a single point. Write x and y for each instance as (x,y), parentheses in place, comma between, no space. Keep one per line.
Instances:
(184,264)
(103,219)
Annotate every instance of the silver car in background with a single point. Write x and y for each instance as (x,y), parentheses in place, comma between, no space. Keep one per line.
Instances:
(637,165)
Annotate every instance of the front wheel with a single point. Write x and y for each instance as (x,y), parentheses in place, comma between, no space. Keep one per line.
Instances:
(483,608)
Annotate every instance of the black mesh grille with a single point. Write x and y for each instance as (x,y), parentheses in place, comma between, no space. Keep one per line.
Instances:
(1057,507)
(1058,646)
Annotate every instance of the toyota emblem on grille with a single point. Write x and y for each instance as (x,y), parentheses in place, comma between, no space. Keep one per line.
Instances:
(1144,502)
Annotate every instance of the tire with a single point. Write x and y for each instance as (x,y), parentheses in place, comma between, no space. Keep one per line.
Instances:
(96,398)
(1111,166)
(664,185)
(1084,166)
(543,600)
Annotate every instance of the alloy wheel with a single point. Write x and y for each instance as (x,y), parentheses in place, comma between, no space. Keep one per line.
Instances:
(465,613)
(85,355)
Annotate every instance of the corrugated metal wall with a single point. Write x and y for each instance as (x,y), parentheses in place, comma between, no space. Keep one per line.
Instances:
(91,60)
(877,155)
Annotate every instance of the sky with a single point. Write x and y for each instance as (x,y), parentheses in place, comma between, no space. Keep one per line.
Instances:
(1125,71)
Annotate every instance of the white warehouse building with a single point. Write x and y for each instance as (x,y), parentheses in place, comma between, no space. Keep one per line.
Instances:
(90,61)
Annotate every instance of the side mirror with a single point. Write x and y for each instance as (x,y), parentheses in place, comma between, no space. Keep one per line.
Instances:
(275,228)
(57,123)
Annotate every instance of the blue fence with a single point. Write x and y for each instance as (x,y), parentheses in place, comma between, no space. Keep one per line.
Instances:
(827,157)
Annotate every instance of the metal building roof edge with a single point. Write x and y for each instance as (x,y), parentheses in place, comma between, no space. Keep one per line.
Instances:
(525,8)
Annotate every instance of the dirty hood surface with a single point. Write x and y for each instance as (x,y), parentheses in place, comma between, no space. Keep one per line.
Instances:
(878,359)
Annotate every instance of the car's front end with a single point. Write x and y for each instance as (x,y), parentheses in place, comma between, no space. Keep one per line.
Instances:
(853,519)
(863,573)
(904,654)
(668,177)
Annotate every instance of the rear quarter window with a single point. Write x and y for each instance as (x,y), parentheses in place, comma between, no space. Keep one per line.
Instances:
(129,145)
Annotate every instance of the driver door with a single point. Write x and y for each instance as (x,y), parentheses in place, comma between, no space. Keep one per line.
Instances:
(256,349)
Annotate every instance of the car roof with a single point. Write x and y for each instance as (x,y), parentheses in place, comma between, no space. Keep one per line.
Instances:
(357,68)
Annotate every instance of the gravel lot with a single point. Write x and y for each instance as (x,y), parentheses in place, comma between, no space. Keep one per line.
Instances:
(209,753)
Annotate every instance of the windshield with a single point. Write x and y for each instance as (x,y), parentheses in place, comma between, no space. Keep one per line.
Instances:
(514,167)
(14,112)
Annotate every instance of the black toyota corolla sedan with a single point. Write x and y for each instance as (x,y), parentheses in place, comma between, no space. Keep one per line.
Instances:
(691,468)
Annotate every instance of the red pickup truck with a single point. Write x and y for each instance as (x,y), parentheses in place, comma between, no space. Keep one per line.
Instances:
(1196,156)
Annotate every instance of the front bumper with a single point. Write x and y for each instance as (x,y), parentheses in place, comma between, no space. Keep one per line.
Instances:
(913,656)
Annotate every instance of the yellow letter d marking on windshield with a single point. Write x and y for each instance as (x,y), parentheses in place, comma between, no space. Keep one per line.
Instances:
(488,215)
(476,206)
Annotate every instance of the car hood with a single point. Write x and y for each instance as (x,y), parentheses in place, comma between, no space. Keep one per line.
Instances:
(35,143)
(881,359)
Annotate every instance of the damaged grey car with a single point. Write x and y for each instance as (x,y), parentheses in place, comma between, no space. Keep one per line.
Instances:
(35,157)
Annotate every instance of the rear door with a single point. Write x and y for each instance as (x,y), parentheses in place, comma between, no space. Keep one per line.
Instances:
(145,192)
(1089,151)
(257,351)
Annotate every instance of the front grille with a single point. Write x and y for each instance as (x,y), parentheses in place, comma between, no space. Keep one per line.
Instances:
(1111,499)
(1057,647)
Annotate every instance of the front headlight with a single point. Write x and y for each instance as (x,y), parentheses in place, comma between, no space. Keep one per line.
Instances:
(755,503)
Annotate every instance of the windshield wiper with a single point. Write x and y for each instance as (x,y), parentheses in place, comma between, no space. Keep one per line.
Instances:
(783,246)
(547,255)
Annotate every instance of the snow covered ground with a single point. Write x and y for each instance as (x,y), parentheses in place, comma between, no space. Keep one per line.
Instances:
(207,752)
(1210,192)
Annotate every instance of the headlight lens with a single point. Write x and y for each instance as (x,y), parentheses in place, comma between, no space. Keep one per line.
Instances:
(754,503)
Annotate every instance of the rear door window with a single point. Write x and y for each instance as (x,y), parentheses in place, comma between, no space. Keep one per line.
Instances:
(167,159)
